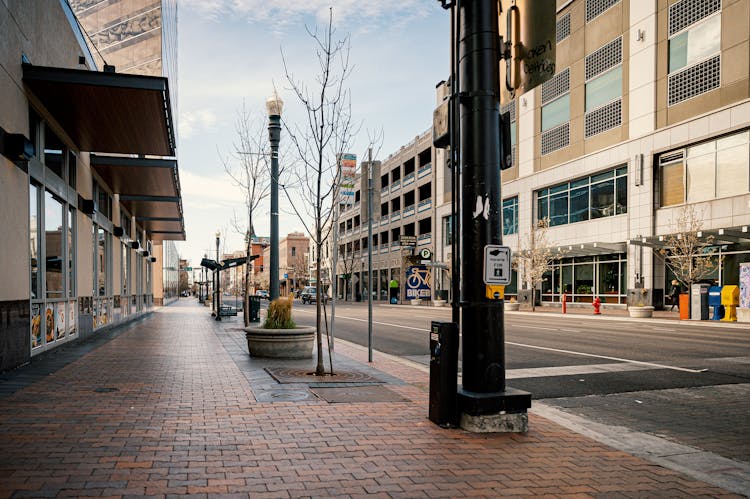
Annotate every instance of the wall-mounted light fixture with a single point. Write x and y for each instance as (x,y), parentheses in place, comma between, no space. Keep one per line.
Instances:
(86,206)
(135,245)
(640,35)
(118,231)
(17,148)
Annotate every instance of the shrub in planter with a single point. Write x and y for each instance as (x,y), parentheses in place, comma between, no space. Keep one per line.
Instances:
(279,315)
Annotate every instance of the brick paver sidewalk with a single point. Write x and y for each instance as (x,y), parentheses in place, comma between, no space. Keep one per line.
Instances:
(164,409)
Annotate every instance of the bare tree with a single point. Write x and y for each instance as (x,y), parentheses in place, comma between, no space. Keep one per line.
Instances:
(249,168)
(318,144)
(688,255)
(534,258)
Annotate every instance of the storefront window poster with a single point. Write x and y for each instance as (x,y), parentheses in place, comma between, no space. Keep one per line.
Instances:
(49,323)
(72,318)
(36,326)
(61,310)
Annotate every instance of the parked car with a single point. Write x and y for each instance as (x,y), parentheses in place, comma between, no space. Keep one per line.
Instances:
(262,293)
(309,295)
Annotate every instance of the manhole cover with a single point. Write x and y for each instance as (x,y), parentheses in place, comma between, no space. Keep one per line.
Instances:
(353,394)
(283,395)
(292,375)
(106,389)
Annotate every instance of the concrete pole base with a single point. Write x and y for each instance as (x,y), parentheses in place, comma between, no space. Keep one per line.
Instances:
(517,422)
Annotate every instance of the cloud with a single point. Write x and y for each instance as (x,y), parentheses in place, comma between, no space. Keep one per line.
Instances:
(216,190)
(192,122)
(285,12)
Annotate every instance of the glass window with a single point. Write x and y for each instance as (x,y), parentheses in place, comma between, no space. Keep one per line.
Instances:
(72,169)
(621,195)
(732,170)
(558,208)
(604,89)
(101,262)
(603,199)
(579,204)
(447,234)
(584,284)
(34,239)
(125,260)
(672,184)
(53,152)
(53,245)
(609,278)
(510,216)
(71,252)
(556,112)
(700,177)
(542,208)
(695,44)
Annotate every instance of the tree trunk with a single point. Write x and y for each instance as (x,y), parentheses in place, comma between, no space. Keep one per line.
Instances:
(320,366)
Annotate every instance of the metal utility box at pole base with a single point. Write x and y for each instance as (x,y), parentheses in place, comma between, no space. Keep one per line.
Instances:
(443,373)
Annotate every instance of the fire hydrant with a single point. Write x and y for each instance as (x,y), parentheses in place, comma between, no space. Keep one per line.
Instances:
(597,306)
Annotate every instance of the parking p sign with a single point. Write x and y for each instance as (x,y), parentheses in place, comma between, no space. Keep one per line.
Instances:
(496,264)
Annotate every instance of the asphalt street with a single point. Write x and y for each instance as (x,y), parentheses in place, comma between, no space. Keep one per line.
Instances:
(687,382)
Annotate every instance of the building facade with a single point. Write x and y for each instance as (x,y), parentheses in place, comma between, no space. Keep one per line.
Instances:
(403,193)
(648,115)
(138,37)
(85,200)
(294,263)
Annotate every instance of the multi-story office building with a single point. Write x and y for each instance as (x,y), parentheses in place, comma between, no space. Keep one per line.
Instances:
(403,192)
(648,112)
(85,191)
(294,264)
(138,37)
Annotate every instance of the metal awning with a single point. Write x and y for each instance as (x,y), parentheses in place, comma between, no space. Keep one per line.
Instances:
(104,111)
(727,235)
(149,188)
(590,249)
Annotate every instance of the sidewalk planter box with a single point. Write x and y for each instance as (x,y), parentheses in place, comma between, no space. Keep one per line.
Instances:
(416,302)
(641,312)
(294,343)
(438,303)
(512,306)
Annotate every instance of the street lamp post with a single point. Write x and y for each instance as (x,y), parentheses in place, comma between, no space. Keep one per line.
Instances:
(217,287)
(274,105)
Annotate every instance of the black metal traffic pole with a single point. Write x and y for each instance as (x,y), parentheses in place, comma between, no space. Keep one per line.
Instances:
(481,219)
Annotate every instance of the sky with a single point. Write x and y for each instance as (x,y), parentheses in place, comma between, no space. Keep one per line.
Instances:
(229,52)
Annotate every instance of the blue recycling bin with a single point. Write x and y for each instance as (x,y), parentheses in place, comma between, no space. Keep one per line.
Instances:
(714,300)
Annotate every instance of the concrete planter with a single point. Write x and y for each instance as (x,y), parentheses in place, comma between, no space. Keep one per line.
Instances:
(641,312)
(294,343)
(512,306)
(439,303)
(416,302)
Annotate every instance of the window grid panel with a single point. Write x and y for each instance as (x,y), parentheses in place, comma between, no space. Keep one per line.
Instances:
(683,14)
(695,80)
(510,107)
(604,118)
(604,58)
(557,86)
(555,139)
(596,7)
(563,28)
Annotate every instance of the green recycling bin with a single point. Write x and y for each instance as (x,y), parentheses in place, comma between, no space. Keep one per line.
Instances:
(253,308)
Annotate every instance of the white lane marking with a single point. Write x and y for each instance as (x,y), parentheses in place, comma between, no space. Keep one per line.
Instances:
(658,366)
(570,330)
(374,322)
(618,359)
(544,372)
(536,327)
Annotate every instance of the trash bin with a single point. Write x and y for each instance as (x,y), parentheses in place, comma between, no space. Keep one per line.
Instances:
(444,373)
(253,308)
